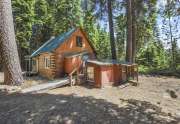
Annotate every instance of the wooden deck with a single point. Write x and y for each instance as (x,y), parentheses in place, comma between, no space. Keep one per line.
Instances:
(46,86)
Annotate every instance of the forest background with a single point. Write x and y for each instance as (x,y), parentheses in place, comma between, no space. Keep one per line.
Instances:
(157,28)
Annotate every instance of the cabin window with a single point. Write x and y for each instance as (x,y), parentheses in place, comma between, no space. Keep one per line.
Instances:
(90,73)
(85,57)
(79,41)
(33,62)
(47,62)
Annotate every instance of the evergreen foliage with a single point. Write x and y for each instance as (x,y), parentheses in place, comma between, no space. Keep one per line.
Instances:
(36,21)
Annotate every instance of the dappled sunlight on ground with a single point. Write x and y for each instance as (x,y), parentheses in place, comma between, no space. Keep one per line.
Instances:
(72,109)
(150,89)
(147,103)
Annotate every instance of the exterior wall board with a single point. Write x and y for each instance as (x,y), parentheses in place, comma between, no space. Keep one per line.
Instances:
(45,72)
(69,46)
(63,65)
(107,75)
(71,63)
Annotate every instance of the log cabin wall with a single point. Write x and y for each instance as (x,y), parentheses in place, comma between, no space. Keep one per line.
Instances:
(57,55)
(59,62)
(72,62)
(42,69)
(69,46)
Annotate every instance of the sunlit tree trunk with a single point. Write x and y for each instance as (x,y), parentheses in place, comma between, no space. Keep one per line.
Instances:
(133,32)
(129,32)
(8,47)
(173,63)
(111,30)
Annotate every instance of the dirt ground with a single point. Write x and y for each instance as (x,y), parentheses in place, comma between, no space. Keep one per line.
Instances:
(28,81)
(148,103)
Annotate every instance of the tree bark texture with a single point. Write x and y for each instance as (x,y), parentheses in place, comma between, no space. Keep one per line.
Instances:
(111,30)
(173,64)
(86,5)
(133,32)
(1,64)
(8,47)
(129,32)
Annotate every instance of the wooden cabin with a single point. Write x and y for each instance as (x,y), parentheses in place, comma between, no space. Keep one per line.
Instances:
(105,73)
(72,52)
(60,55)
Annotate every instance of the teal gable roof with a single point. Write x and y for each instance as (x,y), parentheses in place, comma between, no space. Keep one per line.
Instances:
(52,44)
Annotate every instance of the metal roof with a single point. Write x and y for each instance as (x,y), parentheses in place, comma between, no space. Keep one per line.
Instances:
(108,62)
(52,44)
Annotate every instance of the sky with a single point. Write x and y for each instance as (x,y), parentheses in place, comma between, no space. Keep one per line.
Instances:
(161,3)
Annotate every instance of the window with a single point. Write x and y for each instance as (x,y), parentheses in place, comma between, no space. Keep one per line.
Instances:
(47,62)
(85,57)
(79,41)
(90,73)
(33,62)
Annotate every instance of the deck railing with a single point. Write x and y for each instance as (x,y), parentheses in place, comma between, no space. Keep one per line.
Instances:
(76,73)
(132,71)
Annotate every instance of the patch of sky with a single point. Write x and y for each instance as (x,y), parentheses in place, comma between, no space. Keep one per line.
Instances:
(103,21)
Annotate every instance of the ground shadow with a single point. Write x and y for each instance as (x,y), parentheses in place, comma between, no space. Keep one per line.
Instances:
(72,109)
(88,85)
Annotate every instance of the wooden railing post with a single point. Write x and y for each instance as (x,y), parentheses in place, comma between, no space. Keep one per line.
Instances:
(76,70)
(70,80)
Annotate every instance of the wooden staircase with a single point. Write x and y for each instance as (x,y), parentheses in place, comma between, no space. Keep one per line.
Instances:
(79,74)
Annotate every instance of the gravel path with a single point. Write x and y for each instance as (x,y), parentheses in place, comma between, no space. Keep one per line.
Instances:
(148,103)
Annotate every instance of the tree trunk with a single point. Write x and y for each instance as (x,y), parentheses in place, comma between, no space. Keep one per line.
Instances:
(129,32)
(86,5)
(111,30)
(8,47)
(173,56)
(1,64)
(133,32)
(173,65)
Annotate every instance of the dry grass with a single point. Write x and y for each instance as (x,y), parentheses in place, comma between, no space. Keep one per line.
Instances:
(28,81)
(34,80)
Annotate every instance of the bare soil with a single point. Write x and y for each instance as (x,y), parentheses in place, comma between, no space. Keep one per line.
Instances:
(148,103)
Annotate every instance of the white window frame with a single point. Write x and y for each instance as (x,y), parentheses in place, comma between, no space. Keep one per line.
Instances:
(47,62)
